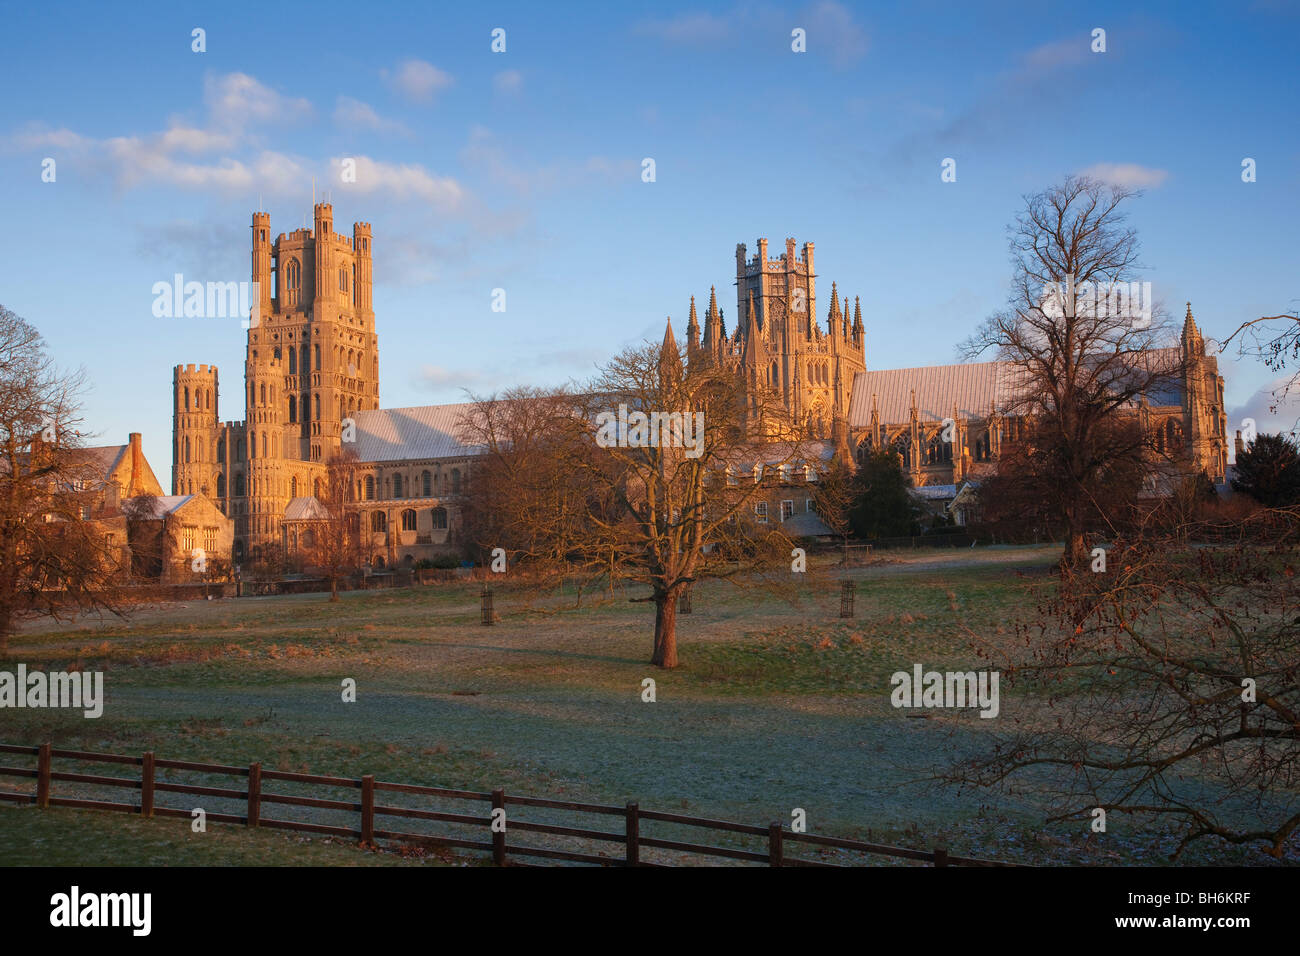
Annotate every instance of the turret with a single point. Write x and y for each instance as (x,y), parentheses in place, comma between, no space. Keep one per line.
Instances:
(262,262)
(194,428)
(692,331)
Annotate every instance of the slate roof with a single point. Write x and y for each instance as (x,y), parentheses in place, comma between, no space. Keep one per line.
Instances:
(305,509)
(974,388)
(165,504)
(424,431)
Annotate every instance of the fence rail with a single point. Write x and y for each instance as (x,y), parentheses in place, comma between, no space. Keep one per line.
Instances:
(777,839)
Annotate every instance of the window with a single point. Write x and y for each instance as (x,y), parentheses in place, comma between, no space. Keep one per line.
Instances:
(370,487)
(808,506)
(397,486)
(439,519)
(293,408)
(378,521)
(187,539)
(187,398)
(221,486)
(318,406)
(293,487)
(760,510)
(408,519)
(293,361)
(787,510)
(318,356)
(187,448)
(426,484)
(455,481)
(239,486)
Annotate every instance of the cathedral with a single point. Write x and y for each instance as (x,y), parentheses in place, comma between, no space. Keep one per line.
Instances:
(312,364)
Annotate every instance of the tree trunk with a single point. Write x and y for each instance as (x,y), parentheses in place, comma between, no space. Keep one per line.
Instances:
(665,654)
(334,589)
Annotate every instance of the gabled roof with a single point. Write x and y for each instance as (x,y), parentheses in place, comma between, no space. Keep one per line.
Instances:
(306,509)
(974,389)
(161,505)
(423,431)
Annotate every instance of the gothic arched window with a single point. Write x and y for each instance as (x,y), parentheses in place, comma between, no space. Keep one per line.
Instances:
(426,484)
(370,487)
(408,519)
(378,521)
(439,516)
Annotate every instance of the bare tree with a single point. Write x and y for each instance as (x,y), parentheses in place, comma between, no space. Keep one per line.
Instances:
(333,543)
(1082,356)
(53,559)
(833,496)
(567,481)
(1170,682)
(1275,341)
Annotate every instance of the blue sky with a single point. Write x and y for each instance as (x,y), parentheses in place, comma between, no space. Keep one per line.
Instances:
(522,170)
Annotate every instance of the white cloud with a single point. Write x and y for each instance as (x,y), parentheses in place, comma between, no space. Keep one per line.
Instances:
(1127,174)
(235,99)
(417,80)
(832,31)
(403,181)
(690,28)
(831,27)
(485,155)
(353,114)
(36,136)
(508,81)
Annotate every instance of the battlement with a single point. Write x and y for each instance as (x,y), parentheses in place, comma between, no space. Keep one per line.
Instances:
(191,369)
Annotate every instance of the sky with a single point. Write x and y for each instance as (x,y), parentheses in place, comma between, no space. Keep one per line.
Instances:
(524,169)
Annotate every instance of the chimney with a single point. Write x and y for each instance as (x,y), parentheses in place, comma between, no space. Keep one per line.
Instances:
(137,465)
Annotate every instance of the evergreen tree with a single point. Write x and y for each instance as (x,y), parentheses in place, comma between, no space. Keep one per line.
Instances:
(883,507)
(1269,471)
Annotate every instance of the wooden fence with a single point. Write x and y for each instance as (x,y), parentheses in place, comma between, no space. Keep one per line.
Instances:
(775,842)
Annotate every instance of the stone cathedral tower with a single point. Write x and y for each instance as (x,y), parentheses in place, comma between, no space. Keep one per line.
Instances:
(778,342)
(312,358)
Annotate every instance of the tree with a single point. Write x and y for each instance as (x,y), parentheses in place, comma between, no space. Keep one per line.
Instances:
(834,496)
(1081,355)
(334,538)
(1275,341)
(883,506)
(1269,471)
(572,477)
(1171,682)
(52,559)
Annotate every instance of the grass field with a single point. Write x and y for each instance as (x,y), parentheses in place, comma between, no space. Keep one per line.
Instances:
(774,707)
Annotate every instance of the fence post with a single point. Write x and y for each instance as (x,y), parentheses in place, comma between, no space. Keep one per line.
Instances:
(940,857)
(847,591)
(774,848)
(633,834)
(485,597)
(43,776)
(254,794)
(146,785)
(498,838)
(368,808)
